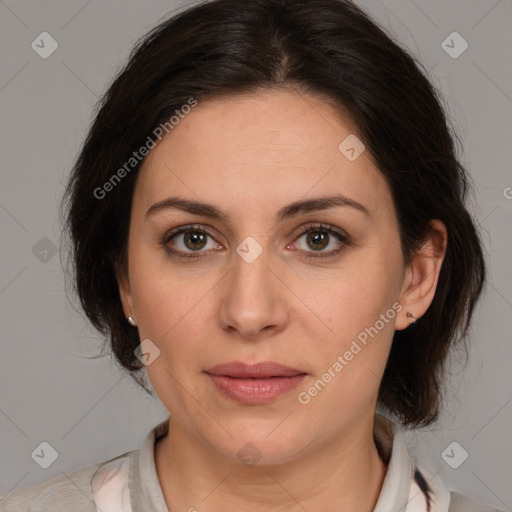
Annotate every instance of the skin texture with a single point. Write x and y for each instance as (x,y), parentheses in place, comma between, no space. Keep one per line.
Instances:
(249,156)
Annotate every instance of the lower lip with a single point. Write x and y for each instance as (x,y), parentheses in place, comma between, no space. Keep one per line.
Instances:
(255,391)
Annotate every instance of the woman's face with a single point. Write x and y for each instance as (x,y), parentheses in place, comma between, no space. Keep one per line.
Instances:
(256,288)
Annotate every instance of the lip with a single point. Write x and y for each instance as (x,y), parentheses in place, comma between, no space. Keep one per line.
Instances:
(237,369)
(254,384)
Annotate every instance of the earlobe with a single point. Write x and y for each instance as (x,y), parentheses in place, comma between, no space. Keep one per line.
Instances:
(422,275)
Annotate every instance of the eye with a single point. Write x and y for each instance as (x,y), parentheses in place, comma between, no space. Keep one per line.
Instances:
(319,237)
(184,241)
(189,239)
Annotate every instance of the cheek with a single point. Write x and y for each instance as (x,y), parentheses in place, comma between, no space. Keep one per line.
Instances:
(351,364)
(355,297)
(359,304)
(169,303)
(172,315)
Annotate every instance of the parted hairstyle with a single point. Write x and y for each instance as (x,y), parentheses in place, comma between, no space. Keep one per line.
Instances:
(328,48)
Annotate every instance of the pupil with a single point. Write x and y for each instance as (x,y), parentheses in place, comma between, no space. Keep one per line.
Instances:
(194,239)
(317,238)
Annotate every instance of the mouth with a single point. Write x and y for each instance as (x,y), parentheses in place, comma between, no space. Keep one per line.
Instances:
(254,384)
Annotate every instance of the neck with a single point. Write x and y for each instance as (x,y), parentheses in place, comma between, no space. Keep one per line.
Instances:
(345,473)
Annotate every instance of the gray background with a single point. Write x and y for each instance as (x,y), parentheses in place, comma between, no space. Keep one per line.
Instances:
(87,409)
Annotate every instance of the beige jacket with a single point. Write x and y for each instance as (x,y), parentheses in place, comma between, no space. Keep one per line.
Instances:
(129,483)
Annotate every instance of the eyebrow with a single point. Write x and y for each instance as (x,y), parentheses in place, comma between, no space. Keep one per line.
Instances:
(286,212)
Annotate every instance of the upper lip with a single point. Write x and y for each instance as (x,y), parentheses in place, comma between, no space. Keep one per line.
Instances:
(237,369)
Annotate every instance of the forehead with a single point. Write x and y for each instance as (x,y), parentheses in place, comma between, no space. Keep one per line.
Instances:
(265,149)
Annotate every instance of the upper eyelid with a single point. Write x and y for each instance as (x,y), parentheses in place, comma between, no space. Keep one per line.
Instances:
(188,227)
(326,227)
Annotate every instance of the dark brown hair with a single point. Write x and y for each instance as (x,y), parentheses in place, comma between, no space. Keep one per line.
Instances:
(330,48)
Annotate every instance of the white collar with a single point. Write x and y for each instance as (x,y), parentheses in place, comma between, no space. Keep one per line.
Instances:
(130,482)
(406,487)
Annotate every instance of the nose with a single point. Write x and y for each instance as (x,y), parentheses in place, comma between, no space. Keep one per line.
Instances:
(253,303)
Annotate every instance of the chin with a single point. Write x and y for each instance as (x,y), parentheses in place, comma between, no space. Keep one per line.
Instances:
(264,444)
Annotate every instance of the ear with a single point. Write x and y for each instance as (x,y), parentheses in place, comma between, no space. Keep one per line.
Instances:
(421,276)
(125,292)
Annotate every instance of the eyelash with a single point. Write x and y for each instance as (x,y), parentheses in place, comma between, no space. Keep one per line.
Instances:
(343,238)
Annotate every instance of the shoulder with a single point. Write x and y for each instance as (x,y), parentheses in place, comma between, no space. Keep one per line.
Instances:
(438,498)
(72,491)
(461,503)
(66,492)
(422,489)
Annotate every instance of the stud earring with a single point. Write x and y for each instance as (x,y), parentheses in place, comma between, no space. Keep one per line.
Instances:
(410,315)
(131,320)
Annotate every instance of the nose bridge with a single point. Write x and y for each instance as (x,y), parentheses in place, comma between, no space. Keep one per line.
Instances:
(251,298)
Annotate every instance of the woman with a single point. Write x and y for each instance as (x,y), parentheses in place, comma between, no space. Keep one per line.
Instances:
(268,218)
